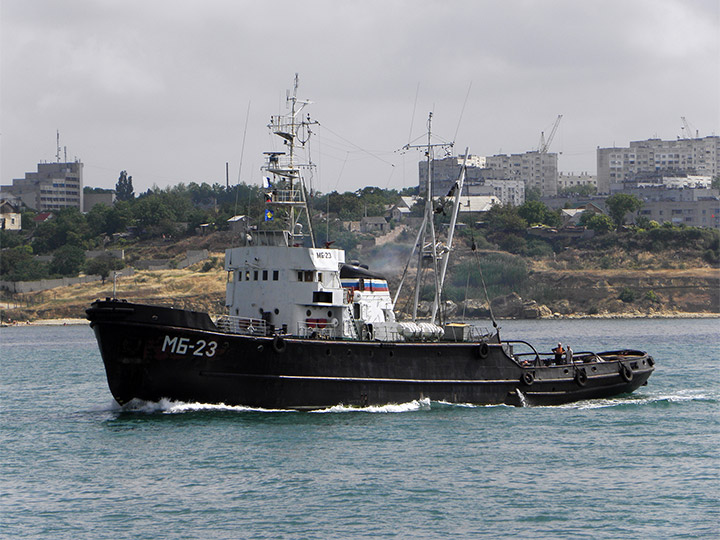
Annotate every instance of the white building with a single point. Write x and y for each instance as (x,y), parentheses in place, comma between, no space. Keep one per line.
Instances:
(536,169)
(10,218)
(700,156)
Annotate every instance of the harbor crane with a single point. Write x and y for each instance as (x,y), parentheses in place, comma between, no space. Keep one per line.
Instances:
(545,144)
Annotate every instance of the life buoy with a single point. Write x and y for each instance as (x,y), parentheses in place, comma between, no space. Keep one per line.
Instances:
(626,373)
(483,350)
(528,378)
(581,377)
(279,344)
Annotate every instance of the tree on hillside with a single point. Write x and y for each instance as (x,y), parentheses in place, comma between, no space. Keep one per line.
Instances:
(620,204)
(505,218)
(102,266)
(600,223)
(532,193)
(67,260)
(124,188)
(537,213)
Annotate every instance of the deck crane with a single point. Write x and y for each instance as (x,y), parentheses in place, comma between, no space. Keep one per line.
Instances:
(545,144)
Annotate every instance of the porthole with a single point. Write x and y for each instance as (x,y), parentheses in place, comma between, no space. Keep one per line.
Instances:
(308,313)
(277,311)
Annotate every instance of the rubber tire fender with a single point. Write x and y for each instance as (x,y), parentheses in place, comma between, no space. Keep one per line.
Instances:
(527,378)
(626,372)
(581,377)
(483,350)
(279,344)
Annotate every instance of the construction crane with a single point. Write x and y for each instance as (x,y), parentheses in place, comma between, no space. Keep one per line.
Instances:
(688,129)
(545,144)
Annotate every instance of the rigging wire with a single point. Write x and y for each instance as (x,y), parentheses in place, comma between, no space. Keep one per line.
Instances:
(482,279)
(368,152)
(342,169)
(412,118)
(462,111)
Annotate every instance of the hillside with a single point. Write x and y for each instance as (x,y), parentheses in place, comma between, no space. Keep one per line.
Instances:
(552,282)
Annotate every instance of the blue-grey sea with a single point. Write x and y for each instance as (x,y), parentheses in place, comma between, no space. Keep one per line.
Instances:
(642,466)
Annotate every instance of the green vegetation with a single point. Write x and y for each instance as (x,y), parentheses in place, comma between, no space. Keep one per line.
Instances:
(600,223)
(124,188)
(503,273)
(178,211)
(621,204)
(628,295)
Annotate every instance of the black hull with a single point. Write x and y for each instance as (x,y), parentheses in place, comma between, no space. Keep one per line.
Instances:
(152,353)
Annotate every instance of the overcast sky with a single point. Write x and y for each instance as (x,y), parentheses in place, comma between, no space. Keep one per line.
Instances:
(162,89)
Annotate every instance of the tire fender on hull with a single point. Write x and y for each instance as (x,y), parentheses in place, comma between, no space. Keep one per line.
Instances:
(279,344)
(626,372)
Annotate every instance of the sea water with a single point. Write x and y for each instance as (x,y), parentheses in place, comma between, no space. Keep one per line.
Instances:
(645,465)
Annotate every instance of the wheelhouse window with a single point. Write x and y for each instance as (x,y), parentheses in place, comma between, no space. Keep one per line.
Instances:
(255,275)
(265,275)
(276,275)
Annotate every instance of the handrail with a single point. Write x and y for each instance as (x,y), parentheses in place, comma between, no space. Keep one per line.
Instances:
(242,325)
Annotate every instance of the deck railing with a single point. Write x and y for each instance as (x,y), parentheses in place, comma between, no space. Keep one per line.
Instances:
(242,325)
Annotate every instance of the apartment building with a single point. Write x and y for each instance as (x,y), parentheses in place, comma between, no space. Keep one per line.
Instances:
(697,213)
(569,180)
(536,169)
(53,186)
(480,179)
(700,156)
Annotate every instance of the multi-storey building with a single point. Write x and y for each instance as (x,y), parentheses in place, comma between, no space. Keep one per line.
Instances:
(569,180)
(479,179)
(699,156)
(53,187)
(536,169)
(697,213)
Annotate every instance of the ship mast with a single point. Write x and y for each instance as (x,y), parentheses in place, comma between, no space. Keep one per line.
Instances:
(426,242)
(287,189)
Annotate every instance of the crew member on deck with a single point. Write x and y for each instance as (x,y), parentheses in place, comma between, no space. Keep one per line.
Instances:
(559,351)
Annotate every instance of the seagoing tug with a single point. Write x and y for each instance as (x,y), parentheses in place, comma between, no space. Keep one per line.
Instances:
(304,329)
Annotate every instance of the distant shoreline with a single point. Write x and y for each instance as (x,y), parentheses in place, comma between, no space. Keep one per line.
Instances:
(671,315)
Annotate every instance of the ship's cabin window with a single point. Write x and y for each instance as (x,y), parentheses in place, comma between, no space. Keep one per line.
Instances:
(265,275)
(255,275)
(276,275)
(319,277)
(306,275)
(247,275)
